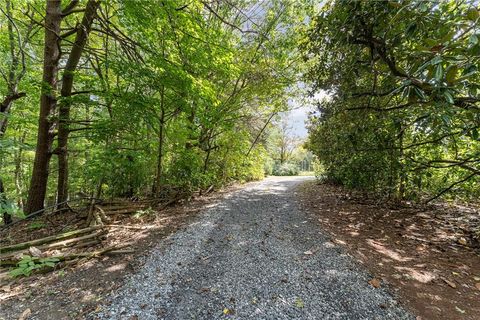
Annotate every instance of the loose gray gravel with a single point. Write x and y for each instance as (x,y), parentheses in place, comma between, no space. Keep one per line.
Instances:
(245,258)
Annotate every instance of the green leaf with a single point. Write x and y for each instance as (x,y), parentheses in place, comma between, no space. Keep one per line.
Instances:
(436,60)
(439,72)
(419,93)
(451,74)
(448,96)
(412,27)
(16,272)
(473,40)
(472,14)
(474,134)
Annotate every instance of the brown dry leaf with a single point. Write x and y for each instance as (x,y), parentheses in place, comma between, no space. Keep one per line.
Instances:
(6,288)
(205,289)
(450,283)
(375,283)
(35,252)
(477,285)
(25,314)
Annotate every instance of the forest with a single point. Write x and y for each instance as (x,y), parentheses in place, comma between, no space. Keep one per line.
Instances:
(160,141)
(403,116)
(106,99)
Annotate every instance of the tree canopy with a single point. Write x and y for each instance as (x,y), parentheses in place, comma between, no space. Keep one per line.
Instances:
(124,98)
(403,114)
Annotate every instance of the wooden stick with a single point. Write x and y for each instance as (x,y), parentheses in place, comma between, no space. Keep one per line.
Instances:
(71,256)
(66,235)
(125,227)
(60,244)
(124,211)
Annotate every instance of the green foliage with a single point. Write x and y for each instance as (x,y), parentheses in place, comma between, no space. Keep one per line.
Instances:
(403,114)
(11,208)
(286,169)
(318,170)
(166,95)
(141,213)
(29,264)
(36,225)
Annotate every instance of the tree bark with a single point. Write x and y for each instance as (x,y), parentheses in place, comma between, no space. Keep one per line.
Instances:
(7,219)
(161,124)
(48,103)
(19,173)
(65,104)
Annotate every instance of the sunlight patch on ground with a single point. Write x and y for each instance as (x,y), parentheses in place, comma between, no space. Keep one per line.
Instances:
(387,252)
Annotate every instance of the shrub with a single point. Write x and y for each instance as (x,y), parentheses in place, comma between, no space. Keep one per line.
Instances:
(286,169)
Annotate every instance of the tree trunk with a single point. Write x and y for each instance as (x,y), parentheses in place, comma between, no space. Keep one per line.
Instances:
(160,142)
(65,104)
(48,102)
(403,172)
(7,218)
(19,172)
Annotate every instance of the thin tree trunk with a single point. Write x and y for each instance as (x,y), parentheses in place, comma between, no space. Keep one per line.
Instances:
(48,102)
(7,219)
(160,142)
(18,172)
(403,173)
(65,105)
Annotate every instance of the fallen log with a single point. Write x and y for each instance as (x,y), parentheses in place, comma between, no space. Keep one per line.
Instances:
(86,244)
(56,245)
(71,256)
(124,211)
(37,242)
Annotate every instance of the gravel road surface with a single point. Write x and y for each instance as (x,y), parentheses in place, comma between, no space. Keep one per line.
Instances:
(253,255)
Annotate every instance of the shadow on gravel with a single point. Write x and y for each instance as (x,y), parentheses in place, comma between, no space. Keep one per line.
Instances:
(254,256)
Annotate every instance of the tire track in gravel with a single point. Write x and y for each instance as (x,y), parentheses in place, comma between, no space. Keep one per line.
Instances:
(244,259)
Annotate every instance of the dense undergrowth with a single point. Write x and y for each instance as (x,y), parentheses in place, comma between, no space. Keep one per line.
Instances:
(402,116)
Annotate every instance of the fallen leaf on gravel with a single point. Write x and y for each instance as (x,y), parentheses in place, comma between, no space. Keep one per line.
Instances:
(375,282)
(227,311)
(205,289)
(25,314)
(308,252)
(450,283)
(299,303)
(477,285)
(462,241)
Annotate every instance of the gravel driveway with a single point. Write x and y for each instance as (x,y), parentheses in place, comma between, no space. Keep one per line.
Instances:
(254,255)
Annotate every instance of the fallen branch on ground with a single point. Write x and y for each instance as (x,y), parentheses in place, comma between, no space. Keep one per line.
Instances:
(37,242)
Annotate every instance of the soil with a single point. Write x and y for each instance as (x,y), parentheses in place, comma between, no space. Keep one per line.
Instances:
(72,292)
(425,253)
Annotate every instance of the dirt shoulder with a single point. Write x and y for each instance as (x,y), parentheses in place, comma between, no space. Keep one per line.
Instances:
(423,253)
(72,292)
